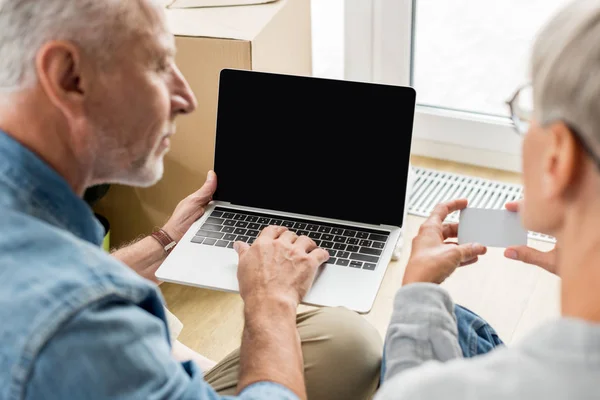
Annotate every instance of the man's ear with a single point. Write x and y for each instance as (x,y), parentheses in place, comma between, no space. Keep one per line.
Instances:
(59,70)
(562,161)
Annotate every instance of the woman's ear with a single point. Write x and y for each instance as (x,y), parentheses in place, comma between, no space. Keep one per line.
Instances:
(561,158)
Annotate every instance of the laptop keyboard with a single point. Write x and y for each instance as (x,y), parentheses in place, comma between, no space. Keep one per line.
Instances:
(347,246)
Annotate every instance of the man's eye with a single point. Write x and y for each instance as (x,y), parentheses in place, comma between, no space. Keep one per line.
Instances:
(163,66)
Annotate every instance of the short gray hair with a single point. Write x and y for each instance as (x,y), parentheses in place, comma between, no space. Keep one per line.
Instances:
(96,26)
(565,69)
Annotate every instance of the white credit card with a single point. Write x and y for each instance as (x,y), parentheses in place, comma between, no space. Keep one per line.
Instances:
(491,228)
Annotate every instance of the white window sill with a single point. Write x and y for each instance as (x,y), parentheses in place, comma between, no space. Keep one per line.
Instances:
(456,153)
(467,138)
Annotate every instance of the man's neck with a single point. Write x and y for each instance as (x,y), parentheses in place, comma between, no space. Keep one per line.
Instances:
(40,128)
(579,267)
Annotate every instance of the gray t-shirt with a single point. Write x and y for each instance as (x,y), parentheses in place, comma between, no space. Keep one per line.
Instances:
(559,360)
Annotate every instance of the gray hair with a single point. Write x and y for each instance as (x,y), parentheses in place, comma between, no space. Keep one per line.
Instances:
(565,70)
(95,26)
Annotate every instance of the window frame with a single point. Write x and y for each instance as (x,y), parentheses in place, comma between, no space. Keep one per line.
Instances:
(378,43)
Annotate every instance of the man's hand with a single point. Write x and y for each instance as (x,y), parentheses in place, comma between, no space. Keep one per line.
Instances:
(146,255)
(279,265)
(274,275)
(432,259)
(545,260)
(191,208)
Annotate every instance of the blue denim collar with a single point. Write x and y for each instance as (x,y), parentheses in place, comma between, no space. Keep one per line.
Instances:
(42,192)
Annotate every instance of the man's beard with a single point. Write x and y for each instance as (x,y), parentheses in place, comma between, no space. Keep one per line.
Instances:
(146,171)
(112,165)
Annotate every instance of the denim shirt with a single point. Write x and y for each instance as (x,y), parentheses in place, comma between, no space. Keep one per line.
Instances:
(75,323)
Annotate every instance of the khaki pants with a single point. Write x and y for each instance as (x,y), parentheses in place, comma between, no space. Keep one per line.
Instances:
(342,357)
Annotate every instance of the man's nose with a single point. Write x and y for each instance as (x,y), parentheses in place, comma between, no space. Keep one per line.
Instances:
(183,100)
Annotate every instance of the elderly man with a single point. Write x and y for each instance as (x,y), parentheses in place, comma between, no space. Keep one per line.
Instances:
(89,93)
(561,171)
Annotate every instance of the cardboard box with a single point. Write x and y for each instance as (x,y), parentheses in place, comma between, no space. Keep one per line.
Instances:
(213,3)
(273,37)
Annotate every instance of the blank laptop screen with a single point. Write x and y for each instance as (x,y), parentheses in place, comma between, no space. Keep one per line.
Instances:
(321,147)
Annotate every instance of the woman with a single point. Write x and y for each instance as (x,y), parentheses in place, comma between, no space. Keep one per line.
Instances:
(561,172)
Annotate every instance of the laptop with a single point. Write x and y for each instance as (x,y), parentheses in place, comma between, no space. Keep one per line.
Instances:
(323,157)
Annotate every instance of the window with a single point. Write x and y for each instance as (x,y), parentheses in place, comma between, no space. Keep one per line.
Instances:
(463,57)
(327,18)
(471,55)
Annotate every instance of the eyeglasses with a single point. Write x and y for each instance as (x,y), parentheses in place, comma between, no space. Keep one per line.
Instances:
(521,112)
(521,108)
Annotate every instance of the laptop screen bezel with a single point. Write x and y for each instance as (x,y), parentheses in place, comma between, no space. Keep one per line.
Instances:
(403,167)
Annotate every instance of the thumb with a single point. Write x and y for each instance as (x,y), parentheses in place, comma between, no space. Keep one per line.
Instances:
(513,206)
(208,189)
(211,182)
(240,247)
(470,251)
(530,256)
